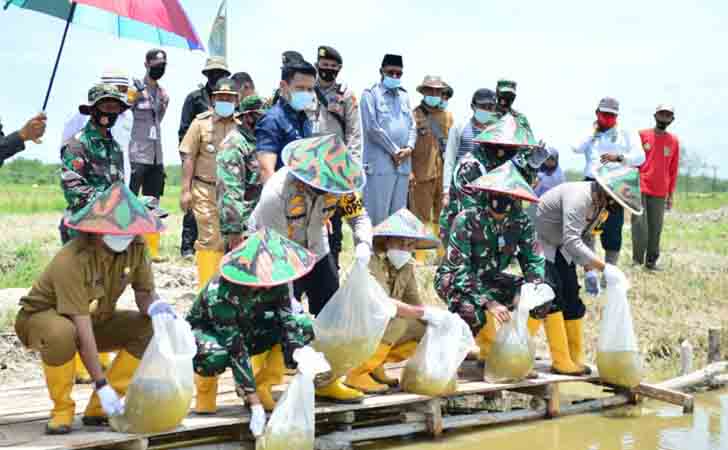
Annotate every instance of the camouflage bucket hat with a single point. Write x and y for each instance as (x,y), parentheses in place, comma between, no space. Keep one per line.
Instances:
(325,163)
(115,211)
(507,131)
(253,103)
(506,179)
(403,224)
(622,183)
(100,92)
(266,259)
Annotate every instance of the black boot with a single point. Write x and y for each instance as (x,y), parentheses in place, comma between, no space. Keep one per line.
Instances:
(189,235)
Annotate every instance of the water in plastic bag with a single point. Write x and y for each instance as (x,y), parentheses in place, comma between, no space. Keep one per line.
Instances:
(159,396)
(350,327)
(433,368)
(618,358)
(511,357)
(293,424)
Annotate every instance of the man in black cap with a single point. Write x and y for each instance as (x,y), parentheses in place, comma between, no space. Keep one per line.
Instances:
(337,113)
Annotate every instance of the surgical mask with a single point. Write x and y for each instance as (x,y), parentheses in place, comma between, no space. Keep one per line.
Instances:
(328,75)
(157,72)
(224,109)
(118,243)
(391,83)
(432,101)
(300,100)
(443,104)
(483,116)
(105,120)
(398,258)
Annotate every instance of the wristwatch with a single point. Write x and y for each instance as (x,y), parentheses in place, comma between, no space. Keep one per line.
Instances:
(101,383)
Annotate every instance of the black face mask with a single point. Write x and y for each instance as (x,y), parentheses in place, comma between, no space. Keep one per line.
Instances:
(157,72)
(506,99)
(104,120)
(328,75)
(500,204)
(213,77)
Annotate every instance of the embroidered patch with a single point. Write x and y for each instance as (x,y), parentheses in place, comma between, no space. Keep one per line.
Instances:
(666,151)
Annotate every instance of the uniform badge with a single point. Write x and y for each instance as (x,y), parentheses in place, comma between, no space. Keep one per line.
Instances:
(647,146)
(322,52)
(666,151)
(210,148)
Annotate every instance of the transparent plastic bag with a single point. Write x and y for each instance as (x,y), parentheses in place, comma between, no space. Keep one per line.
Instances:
(433,369)
(511,357)
(350,327)
(159,396)
(618,358)
(293,422)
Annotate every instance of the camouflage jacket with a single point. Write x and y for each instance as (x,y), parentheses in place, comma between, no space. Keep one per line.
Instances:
(238,182)
(90,164)
(480,250)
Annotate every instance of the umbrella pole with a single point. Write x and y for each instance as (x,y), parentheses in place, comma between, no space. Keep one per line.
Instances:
(60,51)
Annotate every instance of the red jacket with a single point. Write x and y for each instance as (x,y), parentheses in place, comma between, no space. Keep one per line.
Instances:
(658,174)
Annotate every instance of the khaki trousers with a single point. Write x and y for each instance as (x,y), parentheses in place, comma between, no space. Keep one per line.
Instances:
(204,205)
(426,200)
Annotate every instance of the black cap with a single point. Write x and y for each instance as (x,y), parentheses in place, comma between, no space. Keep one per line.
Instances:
(392,60)
(483,96)
(290,56)
(329,53)
(156,56)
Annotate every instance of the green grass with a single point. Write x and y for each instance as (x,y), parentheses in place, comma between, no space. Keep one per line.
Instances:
(20,266)
(698,202)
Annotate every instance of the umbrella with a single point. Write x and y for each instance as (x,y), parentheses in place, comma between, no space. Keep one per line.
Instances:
(162,22)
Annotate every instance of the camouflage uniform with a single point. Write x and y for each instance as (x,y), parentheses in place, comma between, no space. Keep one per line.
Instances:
(232,322)
(238,183)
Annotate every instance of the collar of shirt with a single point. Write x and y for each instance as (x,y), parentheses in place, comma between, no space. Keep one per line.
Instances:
(299,116)
(92,132)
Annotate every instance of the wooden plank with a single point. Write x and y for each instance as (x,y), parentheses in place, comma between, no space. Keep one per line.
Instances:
(433,418)
(595,405)
(666,395)
(367,434)
(488,418)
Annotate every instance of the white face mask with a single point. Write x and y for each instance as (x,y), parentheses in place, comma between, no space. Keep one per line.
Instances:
(118,243)
(398,258)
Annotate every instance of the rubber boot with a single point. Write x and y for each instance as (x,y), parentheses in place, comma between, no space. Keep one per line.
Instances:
(559,347)
(257,362)
(271,374)
(208,262)
(575,336)
(534,325)
(360,377)
(402,352)
(59,380)
(338,392)
(153,240)
(82,376)
(380,376)
(119,376)
(206,400)
(486,337)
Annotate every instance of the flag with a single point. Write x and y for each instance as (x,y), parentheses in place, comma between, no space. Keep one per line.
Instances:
(218,35)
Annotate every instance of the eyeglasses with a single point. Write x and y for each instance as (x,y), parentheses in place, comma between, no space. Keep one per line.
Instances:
(393,73)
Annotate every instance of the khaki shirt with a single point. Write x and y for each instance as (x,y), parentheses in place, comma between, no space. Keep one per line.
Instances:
(427,155)
(203,140)
(83,279)
(342,102)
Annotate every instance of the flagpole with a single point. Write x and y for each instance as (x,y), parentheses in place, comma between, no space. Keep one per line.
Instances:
(71,12)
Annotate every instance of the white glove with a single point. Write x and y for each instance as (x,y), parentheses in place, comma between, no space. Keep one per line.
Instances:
(162,309)
(257,420)
(110,401)
(363,253)
(591,280)
(614,275)
(435,316)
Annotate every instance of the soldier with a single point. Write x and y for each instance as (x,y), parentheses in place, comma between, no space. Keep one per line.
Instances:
(433,125)
(200,148)
(69,311)
(238,175)
(198,102)
(485,239)
(15,142)
(505,92)
(337,113)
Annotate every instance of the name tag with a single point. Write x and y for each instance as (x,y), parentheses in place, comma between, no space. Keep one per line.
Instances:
(153,133)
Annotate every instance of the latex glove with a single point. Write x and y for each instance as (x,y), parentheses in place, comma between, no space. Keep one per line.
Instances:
(592,283)
(614,275)
(110,401)
(434,316)
(257,420)
(162,309)
(363,253)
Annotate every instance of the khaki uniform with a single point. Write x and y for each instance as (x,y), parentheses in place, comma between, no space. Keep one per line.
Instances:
(340,116)
(85,280)
(427,164)
(201,143)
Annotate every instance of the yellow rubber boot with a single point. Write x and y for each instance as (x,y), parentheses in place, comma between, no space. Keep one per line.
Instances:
(338,392)
(59,380)
(271,374)
(575,336)
(360,377)
(559,347)
(401,352)
(153,240)
(486,337)
(533,326)
(257,362)
(206,402)
(119,376)
(208,263)
(105,360)
(82,376)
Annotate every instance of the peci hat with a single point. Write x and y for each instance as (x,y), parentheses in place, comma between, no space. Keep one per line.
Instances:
(266,259)
(115,211)
(403,224)
(215,63)
(506,179)
(325,163)
(392,60)
(608,105)
(156,57)
(431,81)
(622,183)
(100,92)
(505,85)
(327,52)
(507,131)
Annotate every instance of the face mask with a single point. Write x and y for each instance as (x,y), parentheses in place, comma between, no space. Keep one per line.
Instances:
(224,109)
(391,83)
(398,258)
(443,104)
(118,244)
(300,100)
(501,204)
(483,116)
(105,120)
(432,101)
(157,72)
(328,75)
(506,99)
(606,121)
(662,125)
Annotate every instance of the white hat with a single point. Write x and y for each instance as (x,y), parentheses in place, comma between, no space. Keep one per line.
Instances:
(665,107)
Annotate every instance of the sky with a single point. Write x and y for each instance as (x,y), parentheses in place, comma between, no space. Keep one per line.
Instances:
(565,56)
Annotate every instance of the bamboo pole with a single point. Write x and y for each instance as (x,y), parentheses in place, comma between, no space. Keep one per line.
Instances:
(698,377)
(713,345)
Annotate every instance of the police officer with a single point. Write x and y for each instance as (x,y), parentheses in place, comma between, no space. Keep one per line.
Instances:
(199,174)
(337,113)
(198,102)
(15,142)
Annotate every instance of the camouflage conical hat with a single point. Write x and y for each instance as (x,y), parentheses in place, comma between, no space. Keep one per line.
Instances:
(325,163)
(404,224)
(115,211)
(622,183)
(506,179)
(507,130)
(266,259)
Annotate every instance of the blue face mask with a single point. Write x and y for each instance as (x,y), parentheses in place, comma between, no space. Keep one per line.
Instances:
(224,109)
(483,116)
(300,100)
(443,104)
(391,83)
(432,101)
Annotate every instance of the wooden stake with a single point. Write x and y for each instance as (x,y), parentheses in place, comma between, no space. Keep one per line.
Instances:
(713,345)
(686,357)
(553,401)
(666,395)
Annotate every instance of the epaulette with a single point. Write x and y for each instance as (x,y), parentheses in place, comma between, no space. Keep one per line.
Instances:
(204,115)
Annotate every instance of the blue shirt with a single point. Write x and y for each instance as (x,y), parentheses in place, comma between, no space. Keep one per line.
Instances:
(280,126)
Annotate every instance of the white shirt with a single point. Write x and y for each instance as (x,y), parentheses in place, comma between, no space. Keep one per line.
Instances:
(613,141)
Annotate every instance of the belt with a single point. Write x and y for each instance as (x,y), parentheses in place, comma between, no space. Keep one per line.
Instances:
(209,183)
